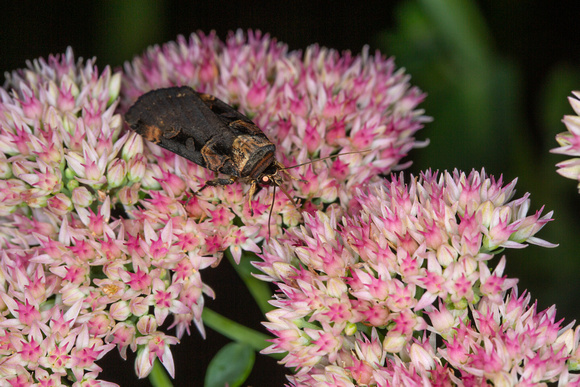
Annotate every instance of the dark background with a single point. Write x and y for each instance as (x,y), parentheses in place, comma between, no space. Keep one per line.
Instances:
(497,74)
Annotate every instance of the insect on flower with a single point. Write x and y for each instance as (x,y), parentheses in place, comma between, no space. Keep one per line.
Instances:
(212,134)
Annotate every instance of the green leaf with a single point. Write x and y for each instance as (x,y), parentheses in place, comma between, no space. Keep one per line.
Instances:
(158,376)
(231,365)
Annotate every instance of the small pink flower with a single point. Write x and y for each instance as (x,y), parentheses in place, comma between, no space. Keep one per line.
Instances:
(123,335)
(139,281)
(83,358)
(60,204)
(30,353)
(155,346)
(83,250)
(99,325)
(256,95)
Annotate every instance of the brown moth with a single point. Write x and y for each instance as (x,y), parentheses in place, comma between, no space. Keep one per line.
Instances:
(212,134)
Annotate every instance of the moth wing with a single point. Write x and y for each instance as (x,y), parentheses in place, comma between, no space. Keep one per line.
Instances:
(236,121)
(178,120)
(173,111)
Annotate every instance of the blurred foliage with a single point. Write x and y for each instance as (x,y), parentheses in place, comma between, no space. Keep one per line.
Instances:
(230,366)
(129,27)
(475,96)
(472,93)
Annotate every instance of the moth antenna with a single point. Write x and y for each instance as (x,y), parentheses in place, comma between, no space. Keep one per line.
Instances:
(326,158)
(280,168)
(270,214)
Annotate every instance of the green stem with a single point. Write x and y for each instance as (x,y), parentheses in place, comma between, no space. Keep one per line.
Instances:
(236,332)
(158,377)
(259,290)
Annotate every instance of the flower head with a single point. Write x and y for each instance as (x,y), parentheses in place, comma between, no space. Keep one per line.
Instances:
(310,106)
(570,142)
(367,299)
(75,277)
(109,225)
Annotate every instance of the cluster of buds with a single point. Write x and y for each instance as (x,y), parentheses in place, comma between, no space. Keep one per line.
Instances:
(399,291)
(570,142)
(103,237)
(381,282)
(310,106)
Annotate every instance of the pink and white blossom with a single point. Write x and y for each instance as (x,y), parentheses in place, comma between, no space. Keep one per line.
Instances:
(400,291)
(570,142)
(103,239)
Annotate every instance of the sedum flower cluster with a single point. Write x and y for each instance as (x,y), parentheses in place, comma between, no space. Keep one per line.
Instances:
(76,280)
(570,142)
(310,105)
(399,291)
(381,282)
(102,236)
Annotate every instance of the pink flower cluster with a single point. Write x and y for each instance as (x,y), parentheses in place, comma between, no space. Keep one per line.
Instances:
(310,105)
(399,292)
(570,142)
(101,235)
(75,281)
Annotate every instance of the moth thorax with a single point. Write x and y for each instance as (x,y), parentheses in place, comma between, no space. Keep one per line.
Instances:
(252,155)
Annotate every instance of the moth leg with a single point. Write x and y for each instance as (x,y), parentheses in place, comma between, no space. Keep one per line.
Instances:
(294,178)
(217,183)
(283,170)
(251,192)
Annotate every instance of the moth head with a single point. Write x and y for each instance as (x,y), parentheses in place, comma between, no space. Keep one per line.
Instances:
(271,175)
(270,179)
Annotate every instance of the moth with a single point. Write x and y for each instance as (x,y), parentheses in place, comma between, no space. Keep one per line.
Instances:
(210,133)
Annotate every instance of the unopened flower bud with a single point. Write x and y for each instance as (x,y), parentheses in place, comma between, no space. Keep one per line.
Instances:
(350,329)
(336,287)
(422,359)
(120,311)
(136,168)
(394,344)
(114,87)
(146,325)
(116,173)
(72,184)
(486,210)
(128,195)
(82,197)
(5,169)
(151,178)
(133,147)
(36,198)
(60,204)
(446,255)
